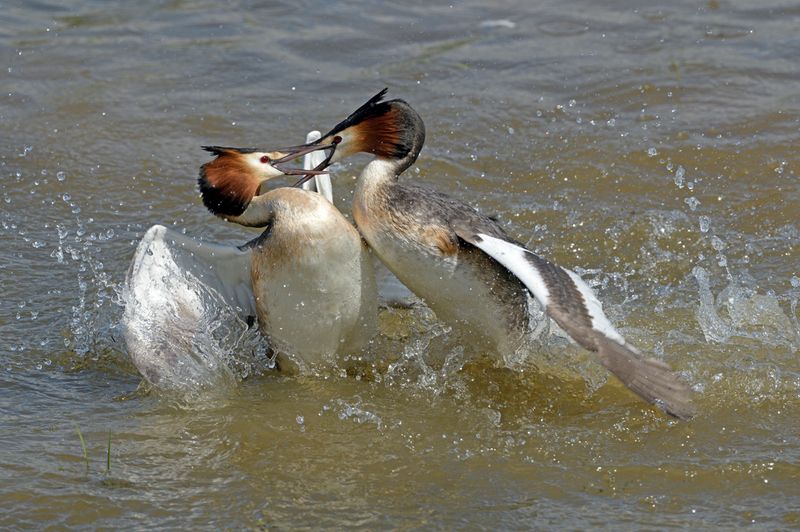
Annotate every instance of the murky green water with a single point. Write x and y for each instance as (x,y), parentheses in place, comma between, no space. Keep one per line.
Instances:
(656,148)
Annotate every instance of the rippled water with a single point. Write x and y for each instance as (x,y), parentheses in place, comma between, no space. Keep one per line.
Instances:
(652,149)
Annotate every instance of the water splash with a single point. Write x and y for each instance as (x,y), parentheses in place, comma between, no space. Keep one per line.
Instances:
(715,329)
(354,411)
(748,314)
(415,366)
(91,320)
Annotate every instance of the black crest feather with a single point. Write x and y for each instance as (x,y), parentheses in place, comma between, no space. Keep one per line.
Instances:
(221,150)
(389,128)
(374,107)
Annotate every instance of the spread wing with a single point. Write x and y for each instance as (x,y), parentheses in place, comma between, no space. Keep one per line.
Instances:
(186,304)
(572,304)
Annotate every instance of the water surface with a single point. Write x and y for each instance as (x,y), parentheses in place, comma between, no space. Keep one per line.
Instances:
(652,149)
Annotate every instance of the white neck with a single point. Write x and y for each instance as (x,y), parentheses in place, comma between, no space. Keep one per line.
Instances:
(377,173)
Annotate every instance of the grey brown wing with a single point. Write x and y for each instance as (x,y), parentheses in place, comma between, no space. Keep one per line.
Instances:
(573,305)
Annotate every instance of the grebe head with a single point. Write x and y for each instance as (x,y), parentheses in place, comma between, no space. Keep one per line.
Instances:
(229,182)
(390,130)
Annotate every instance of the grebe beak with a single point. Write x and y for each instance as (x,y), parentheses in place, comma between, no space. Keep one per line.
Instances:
(294,152)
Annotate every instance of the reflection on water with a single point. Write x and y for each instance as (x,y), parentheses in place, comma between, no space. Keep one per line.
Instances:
(650,149)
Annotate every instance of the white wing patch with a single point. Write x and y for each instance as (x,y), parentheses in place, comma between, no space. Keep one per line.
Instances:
(322,182)
(514,258)
(599,320)
(225,269)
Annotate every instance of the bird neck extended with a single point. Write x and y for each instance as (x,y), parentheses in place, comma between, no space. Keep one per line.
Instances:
(258,213)
(372,190)
(377,174)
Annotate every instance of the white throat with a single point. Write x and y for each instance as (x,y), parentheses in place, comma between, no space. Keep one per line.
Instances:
(377,171)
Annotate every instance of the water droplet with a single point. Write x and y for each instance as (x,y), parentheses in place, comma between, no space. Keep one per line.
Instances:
(705,224)
(795,280)
(652,152)
(692,202)
(66,196)
(61,175)
(679,176)
(299,420)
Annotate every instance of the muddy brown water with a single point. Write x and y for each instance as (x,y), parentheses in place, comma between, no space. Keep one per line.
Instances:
(655,149)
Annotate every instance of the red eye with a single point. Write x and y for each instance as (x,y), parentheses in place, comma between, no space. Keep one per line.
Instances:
(265,159)
(337,139)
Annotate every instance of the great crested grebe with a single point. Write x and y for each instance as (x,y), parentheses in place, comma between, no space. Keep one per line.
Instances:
(311,273)
(185,297)
(464,266)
